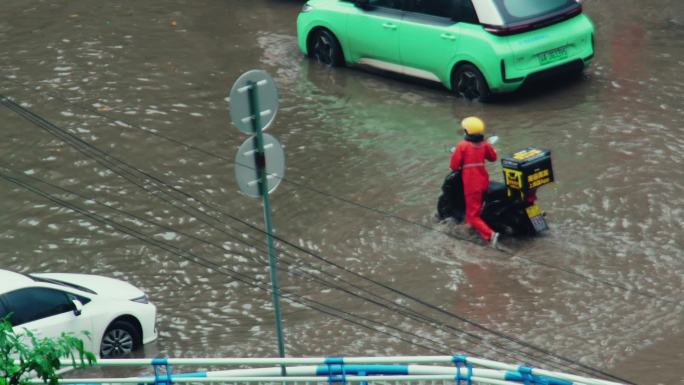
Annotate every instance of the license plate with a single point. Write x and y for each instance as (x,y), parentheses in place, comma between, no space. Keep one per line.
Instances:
(553,55)
(537,218)
(533,211)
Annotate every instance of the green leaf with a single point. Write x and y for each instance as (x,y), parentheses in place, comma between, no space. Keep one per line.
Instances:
(42,356)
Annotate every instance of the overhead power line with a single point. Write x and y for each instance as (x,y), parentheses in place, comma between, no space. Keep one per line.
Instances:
(130,170)
(235,275)
(586,277)
(119,166)
(193,258)
(389,305)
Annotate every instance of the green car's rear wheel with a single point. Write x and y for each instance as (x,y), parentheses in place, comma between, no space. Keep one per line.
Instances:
(325,49)
(467,81)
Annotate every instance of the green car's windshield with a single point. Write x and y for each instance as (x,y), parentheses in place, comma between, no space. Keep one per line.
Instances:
(515,11)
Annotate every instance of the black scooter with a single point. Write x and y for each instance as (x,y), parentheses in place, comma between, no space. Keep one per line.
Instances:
(508,208)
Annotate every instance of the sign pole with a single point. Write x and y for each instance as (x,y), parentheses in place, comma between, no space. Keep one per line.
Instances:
(263,189)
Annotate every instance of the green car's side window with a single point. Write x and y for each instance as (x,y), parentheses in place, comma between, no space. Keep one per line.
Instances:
(465,11)
(457,10)
(394,4)
(440,8)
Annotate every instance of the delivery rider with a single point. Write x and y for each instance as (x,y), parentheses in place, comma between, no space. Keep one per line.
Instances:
(469,158)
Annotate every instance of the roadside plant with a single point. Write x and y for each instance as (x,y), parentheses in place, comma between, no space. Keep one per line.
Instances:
(23,355)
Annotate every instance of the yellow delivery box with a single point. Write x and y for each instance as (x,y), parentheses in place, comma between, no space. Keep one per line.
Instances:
(526,170)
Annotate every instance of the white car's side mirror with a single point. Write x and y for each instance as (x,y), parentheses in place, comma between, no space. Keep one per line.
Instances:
(78,307)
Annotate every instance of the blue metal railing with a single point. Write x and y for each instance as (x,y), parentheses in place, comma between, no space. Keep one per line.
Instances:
(415,370)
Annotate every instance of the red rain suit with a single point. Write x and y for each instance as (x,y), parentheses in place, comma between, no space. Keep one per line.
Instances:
(469,157)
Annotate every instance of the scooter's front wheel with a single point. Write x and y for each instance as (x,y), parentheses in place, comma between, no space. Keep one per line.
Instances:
(444,207)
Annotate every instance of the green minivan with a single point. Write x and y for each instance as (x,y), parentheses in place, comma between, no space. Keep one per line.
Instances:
(474,47)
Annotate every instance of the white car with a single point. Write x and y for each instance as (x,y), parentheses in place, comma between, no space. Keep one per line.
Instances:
(118,316)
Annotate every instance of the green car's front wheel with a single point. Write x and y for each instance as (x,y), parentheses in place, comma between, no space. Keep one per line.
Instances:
(467,81)
(325,49)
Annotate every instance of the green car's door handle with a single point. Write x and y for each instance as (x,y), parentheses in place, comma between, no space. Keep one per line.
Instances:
(389,25)
(448,36)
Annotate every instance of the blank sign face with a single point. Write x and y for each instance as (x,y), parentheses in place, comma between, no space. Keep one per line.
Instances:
(264,89)
(246,165)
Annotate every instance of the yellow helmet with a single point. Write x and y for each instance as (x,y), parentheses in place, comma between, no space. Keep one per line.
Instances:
(473,125)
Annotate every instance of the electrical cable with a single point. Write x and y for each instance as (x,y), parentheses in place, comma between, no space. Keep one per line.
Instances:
(193,258)
(410,313)
(41,123)
(221,157)
(211,265)
(350,202)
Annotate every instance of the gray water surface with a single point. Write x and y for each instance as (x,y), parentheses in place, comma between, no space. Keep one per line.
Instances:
(146,83)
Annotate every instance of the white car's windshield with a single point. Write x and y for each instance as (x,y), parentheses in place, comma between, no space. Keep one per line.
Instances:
(507,12)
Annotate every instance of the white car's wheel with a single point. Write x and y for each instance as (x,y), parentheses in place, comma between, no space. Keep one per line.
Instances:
(121,338)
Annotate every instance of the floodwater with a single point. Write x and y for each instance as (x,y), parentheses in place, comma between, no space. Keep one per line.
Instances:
(149,195)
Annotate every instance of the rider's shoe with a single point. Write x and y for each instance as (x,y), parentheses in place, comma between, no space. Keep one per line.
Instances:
(494,240)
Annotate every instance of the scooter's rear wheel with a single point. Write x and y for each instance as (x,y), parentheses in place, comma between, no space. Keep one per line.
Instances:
(520,223)
(509,220)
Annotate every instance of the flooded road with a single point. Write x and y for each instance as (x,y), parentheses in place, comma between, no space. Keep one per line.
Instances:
(131,176)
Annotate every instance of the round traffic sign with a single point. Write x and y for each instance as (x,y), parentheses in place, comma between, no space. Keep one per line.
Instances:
(243,114)
(246,165)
